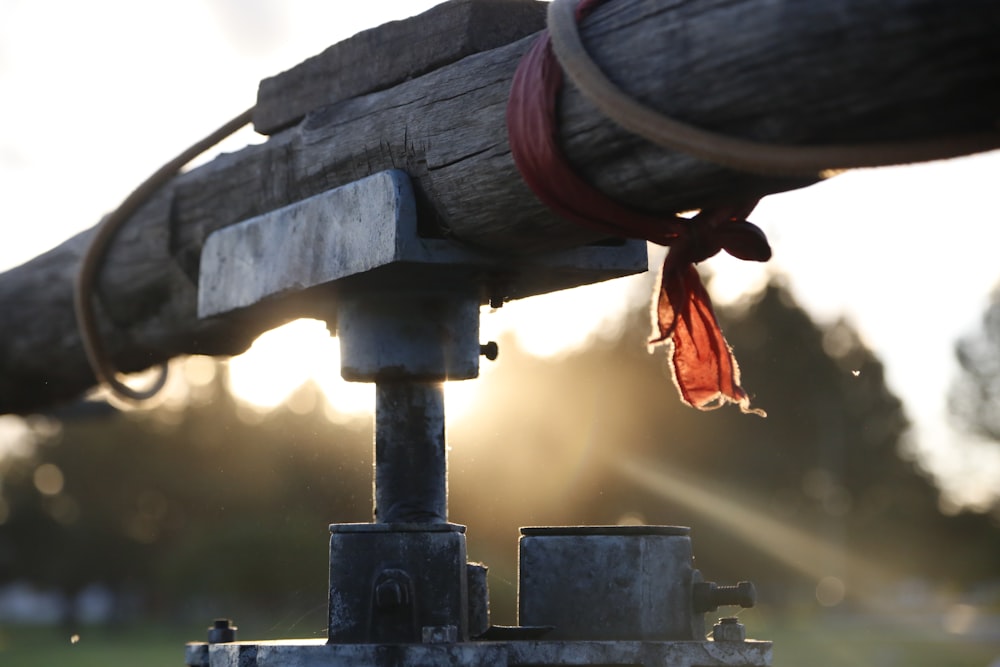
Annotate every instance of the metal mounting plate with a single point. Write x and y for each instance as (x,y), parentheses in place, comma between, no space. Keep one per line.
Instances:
(317,653)
(367,231)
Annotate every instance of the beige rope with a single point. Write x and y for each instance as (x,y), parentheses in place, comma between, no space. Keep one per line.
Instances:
(90,265)
(751,156)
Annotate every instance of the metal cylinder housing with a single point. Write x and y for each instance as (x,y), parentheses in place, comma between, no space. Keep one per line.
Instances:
(397,583)
(609,583)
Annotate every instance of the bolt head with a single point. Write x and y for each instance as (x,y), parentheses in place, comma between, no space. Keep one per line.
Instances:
(490,350)
(747,594)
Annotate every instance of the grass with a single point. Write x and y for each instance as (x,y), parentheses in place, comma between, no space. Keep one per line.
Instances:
(869,641)
(834,641)
(43,646)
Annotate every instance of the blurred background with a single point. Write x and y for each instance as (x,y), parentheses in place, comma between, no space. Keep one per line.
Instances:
(146,524)
(866,507)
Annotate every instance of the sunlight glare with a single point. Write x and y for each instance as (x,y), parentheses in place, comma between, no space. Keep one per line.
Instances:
(283,359)
(348,398)
(48,479)
(460,397)
(16,436)
(199,371)
(807,552)
(563,322)
(830,591)
(729,279)
(960,619)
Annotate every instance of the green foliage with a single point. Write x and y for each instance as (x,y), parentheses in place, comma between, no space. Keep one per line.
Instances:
(27,646)
(974,398)
(199,504)
(821,487)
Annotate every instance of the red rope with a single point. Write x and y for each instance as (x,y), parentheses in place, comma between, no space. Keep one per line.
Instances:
(704,368)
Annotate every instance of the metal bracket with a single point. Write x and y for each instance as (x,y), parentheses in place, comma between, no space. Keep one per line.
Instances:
(368,230)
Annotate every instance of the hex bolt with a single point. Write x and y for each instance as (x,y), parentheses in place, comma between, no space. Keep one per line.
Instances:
(707,596)
(391,594)
(743,594)
(222,631)
(729,629)
(490,350)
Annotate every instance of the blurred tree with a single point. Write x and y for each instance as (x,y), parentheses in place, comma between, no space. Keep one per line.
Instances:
(216,506)
(838,436)
(824,486)
(974,398)
(209,502)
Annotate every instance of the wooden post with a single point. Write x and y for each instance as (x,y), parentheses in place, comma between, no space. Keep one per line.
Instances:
(787,72)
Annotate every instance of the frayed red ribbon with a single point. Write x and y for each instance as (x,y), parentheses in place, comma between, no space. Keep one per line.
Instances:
(704,368)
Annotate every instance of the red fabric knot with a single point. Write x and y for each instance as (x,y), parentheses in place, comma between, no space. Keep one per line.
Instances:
(702,363)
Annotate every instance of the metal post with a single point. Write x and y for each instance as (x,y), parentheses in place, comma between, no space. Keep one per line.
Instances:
(411,484)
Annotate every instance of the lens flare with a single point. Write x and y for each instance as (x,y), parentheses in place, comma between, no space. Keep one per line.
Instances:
(837,572)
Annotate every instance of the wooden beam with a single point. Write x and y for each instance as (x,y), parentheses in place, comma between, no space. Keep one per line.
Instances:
(783,71)
(390,54)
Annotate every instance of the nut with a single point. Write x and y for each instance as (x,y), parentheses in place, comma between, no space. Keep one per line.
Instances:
(729,629)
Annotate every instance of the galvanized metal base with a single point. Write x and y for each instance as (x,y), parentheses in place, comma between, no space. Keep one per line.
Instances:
(398,583)
(609,583)
(317,653)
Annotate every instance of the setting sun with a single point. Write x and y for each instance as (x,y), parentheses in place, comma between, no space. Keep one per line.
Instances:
(282,360)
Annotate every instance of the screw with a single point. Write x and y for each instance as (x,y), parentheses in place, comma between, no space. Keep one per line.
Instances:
(707,596)
(222,631)
(490,350)
(742,594)
(729,629)
(497,293)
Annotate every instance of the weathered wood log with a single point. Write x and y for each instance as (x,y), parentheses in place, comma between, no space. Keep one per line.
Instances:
(788,72)
(371,60)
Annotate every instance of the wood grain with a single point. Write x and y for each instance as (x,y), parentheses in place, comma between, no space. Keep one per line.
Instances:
(784,71)
(382,57)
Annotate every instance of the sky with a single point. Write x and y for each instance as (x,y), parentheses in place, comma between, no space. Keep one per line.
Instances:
(96,95)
